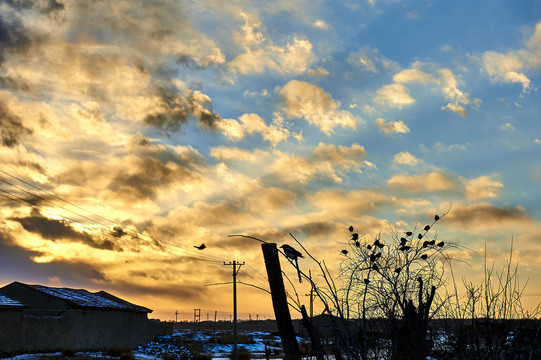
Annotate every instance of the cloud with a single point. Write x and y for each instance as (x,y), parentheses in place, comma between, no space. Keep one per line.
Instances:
(405,158)
(394,95)
(321,24)
(305,100)
(318,72)
(513,66)
(392,127)
(327,161)
(450,90)
(483,215)
(423,183)
(371,61)
(409,76)
(253,123)
(11,127)
(483,187)
(172,110)
(504,68)
(262,54)
(58,230)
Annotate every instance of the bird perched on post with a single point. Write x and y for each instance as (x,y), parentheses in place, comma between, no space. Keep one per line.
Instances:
(200,247)
(293,254)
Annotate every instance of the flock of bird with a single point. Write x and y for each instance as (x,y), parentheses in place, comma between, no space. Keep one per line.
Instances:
(293,254)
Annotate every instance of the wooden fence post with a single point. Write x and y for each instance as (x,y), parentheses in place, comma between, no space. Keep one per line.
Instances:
(279,302)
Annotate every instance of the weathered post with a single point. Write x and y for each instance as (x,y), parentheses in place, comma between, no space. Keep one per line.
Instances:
(279,302)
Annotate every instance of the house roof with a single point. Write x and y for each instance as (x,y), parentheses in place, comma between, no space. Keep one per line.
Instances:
(6,302)
(87,299)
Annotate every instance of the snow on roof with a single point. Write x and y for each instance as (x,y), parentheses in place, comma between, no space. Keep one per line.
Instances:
(6,302)
(84,298)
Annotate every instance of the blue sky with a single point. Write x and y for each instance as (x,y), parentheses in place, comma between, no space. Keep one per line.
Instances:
(129,124)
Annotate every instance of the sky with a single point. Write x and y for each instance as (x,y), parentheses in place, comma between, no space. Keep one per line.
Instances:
(132,131)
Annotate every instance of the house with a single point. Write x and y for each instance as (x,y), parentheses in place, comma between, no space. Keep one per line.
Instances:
(11,315)
(64,318)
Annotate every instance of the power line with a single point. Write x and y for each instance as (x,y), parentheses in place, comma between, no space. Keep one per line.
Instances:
(210,258)
(185,252)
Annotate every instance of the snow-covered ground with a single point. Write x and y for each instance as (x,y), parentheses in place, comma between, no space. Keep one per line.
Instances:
(186,345)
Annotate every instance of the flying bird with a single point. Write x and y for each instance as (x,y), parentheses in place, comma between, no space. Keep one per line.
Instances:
(200,247)
(294,255)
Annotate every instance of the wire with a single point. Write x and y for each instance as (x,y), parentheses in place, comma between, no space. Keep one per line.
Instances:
(183,251)
(210,258)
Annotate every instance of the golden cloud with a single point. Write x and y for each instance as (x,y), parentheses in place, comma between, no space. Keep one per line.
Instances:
(394,95)
(431,182)
(305,100)
(392,126)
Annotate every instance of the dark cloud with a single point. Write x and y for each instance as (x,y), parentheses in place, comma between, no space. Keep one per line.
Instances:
(52,7)
(57,230)
(147,176)
(11,127)
(13,35)
(484,213)
(177,108)
(17,264)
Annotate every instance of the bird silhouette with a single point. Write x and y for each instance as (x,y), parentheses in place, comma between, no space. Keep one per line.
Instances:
(424,256)
(426,228)
(404,248)
(403,241)
(409,233)
(397,270)
(436,217)
(432,242)
(420,236)
(294,255)
(200,247)
(345,252)
(354,236)
(441,243)
(358,244)
(425,243)
(369,247)
(366,281)
(351,228)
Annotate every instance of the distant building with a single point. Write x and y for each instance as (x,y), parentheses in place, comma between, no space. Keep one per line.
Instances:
(62,318)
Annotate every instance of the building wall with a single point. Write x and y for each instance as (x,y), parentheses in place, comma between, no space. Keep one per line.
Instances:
(10,330)
(87,330)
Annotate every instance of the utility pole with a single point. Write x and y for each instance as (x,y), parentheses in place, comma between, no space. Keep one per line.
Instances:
(235,272)
(279,302)
(176,316)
